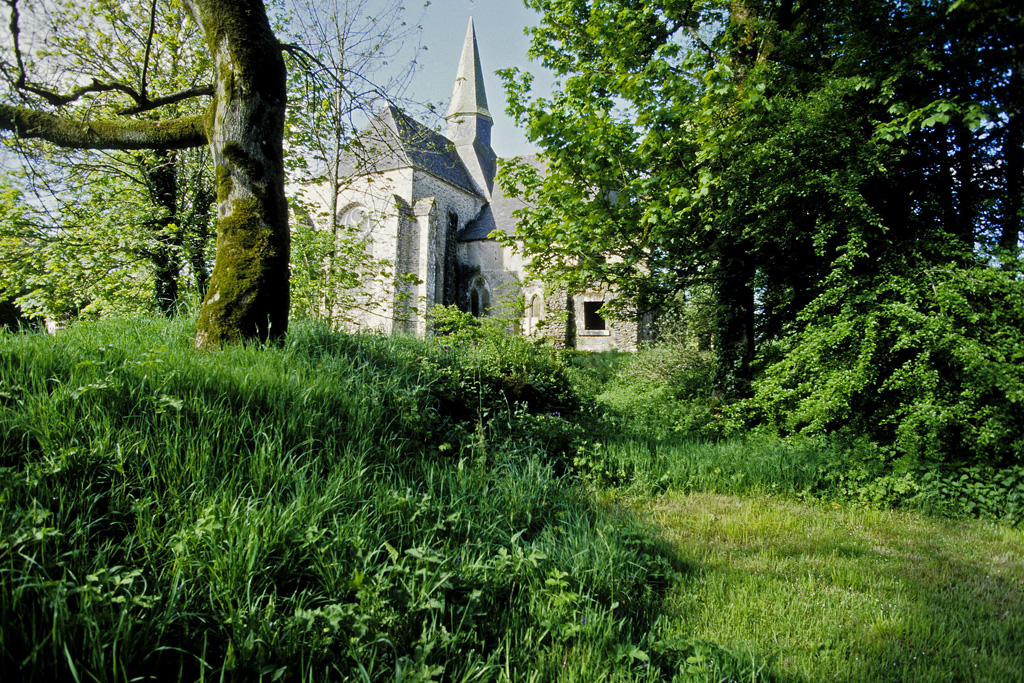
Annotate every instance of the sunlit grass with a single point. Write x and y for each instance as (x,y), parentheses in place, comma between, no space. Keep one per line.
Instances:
(845,593)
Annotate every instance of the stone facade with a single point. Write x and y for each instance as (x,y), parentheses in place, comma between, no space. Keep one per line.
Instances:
(427,205)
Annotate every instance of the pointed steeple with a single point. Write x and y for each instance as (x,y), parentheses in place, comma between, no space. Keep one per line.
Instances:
(469,119)
(469,96)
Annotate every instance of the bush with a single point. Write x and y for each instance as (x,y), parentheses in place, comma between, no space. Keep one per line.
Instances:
(931,365)
(483,369)
(974,491)
(663,390)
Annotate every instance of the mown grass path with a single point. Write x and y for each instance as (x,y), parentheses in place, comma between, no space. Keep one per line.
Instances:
(827,592)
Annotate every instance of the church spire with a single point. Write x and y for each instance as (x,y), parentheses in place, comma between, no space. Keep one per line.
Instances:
(469,119)
(469,96)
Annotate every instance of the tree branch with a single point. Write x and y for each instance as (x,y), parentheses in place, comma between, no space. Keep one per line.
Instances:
(58,100)
(174,134)
(142,101)
(148,104)
(149,46)
(304,58)
(695,36)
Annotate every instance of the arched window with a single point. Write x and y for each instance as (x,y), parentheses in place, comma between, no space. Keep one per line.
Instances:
(479,297)
(536,306)
(353,216)
(356,223)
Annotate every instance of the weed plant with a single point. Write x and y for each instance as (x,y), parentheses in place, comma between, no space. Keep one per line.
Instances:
(334,508)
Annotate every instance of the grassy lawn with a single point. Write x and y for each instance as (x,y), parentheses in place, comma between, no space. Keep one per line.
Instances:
(824,592)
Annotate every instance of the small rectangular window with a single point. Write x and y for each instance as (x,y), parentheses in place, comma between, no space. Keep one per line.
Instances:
(592,318)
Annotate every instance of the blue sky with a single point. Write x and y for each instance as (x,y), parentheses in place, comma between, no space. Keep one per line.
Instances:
(499,28)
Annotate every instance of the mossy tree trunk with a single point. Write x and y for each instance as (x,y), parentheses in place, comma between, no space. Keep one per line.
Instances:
(734,269)
(248,291)
(244,127)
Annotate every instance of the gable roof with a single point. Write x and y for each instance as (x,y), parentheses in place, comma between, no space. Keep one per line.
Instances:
(498,214)
(395,140)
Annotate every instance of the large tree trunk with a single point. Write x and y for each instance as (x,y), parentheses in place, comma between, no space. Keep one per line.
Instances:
(248,292)
(734,270)
(734,325)
(1013,148)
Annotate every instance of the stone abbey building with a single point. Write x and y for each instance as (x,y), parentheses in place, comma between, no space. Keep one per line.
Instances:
(427,203)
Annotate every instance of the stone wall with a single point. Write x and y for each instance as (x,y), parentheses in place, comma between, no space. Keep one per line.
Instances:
(410,215)
(413,219)
(565,323)
(450,209)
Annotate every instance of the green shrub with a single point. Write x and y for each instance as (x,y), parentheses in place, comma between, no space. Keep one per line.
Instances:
(496,375)
(973,491)
(866,472)
(931,365)
(458,326)
(663,390)
(590,372)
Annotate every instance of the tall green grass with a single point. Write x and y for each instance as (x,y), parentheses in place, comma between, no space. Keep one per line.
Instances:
(333,508)
(758,463)
(360,507)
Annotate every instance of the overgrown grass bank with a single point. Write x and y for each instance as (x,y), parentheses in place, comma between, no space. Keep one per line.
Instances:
(336,508)
(358,507)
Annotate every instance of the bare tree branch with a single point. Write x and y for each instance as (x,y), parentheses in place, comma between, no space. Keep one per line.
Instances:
(155,103)
(149,45)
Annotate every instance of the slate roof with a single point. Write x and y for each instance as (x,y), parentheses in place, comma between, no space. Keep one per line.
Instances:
(394,140)
(498,214)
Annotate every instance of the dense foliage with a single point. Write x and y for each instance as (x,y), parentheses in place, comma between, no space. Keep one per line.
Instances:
(823,198)
(319,511)
(933,365)
(845,177)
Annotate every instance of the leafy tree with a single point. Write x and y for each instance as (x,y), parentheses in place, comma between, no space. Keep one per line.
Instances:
(82,261)
(775,150)
(164,194)
(642,132)
(243,126)
(140,217)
